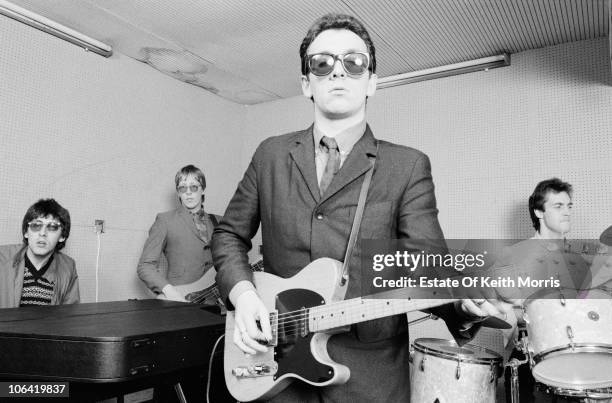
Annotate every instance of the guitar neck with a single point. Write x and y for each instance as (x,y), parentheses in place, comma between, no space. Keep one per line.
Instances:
(356,310)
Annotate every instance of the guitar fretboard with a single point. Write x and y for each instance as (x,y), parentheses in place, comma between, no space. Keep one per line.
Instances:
(358,310)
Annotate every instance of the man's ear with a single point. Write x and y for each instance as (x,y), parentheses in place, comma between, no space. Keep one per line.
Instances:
(62,239)
(539,213)
(306,87)
(373,80)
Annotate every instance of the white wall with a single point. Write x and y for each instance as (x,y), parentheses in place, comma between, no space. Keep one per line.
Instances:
(105,138)
(491,136)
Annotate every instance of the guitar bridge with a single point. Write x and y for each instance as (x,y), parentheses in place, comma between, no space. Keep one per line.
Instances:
(256,370)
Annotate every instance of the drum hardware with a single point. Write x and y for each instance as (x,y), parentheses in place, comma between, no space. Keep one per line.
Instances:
(493,372)
(514,364)
(602,395)
(422,364)
(423,319)
(562,298)
(593,315)
(570,335)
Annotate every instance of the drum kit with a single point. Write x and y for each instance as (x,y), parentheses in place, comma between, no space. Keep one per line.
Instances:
(567,345)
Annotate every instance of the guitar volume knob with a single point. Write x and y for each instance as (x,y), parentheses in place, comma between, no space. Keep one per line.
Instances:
(255,371)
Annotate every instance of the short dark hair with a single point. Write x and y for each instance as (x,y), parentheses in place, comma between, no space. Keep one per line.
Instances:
(540,194)
(190,170)
(44,208)
(337,21)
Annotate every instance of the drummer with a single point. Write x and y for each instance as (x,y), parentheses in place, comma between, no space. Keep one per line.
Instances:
(550,209)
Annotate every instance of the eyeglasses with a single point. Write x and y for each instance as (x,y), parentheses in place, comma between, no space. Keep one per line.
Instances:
(192,188)
(36,226)
(321,64)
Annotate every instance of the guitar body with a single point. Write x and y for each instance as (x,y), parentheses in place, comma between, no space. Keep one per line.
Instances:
(204,290)
(298,354)
(207,280)
(203,283)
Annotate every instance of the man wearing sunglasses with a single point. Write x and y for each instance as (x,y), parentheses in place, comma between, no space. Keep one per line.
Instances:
(182,235)
(303,188)
(36,272)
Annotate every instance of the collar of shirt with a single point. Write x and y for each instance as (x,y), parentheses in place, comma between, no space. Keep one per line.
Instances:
(37,273)
(346,139)
(198,213)
(201,214)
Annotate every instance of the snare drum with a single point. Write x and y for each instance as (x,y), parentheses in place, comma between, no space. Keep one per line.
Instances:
(570,341)
(444,372)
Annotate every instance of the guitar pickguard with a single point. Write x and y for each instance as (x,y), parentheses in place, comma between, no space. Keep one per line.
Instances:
(292,352)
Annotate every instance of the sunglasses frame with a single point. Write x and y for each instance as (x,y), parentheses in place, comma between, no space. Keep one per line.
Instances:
(178,189)
(341,58)
(44,225)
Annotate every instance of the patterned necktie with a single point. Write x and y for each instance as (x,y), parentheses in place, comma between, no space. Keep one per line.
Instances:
(333,162)
(199,219)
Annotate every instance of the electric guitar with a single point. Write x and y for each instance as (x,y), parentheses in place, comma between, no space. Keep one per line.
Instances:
(204,290)
(302,321)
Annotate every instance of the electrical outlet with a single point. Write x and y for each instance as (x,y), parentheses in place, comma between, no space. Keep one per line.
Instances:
(99,226)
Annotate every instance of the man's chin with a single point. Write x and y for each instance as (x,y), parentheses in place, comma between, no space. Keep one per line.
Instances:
(40,252)
(339,112)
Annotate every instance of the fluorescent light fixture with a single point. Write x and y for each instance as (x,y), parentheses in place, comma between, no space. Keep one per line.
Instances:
(485,64)
(51,27)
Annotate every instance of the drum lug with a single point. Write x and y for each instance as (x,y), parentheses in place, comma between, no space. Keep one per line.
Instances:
(562,300)
(422,366)
(458,371)
(493,372)
(570,335)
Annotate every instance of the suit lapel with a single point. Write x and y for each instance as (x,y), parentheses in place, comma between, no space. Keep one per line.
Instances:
(356,164)
(304,157)
(18,285)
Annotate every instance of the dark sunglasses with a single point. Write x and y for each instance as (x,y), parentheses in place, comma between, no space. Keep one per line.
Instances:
(192,188)
(36,226)
(321,64)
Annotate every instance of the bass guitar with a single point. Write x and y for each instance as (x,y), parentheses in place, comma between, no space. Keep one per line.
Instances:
(304,311)
(205,290)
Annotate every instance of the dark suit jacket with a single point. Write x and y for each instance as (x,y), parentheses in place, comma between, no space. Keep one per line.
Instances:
(280,190)
(175,235)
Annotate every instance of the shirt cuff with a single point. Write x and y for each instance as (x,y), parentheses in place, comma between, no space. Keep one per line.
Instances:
(240,288)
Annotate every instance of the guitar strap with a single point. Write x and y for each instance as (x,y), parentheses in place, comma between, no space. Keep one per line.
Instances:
(365,186)
(214,220)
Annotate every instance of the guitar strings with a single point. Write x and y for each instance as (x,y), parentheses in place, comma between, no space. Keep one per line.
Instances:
(289,325)
(295,316)
(214,293)
(289,322)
